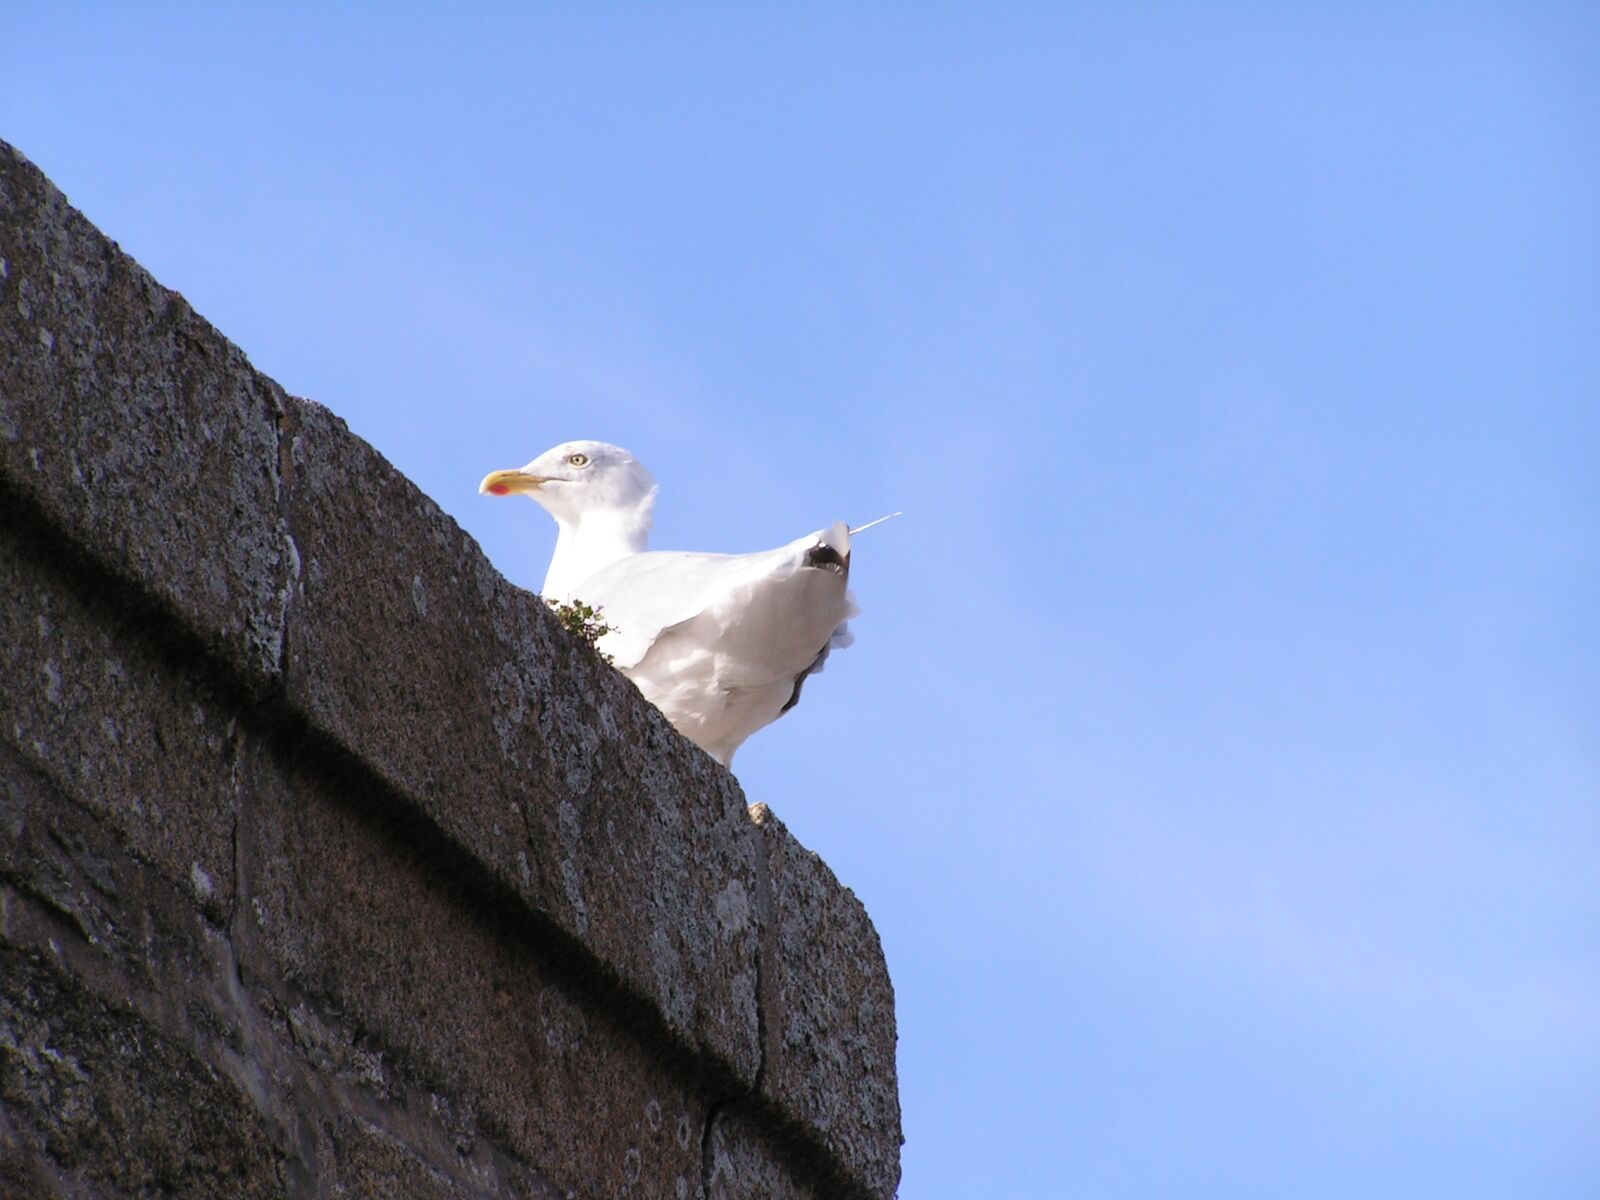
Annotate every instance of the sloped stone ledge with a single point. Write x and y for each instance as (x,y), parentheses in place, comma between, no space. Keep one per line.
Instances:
(288,688)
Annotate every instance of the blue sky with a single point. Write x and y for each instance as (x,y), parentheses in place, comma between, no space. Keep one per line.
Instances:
(1219,755)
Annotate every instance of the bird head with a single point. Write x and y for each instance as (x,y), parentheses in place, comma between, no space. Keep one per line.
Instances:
(577,478)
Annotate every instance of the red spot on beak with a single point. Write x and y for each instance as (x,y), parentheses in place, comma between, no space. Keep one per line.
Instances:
(498,489)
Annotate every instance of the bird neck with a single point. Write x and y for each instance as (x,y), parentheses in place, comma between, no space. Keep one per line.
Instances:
(591,542)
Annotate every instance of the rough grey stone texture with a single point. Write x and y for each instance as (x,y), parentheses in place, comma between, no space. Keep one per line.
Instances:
(829,1009)
(137,427)
(739,1165)
(140,1054)
(108,720)
(329,864)
(361,922)
(113,1106)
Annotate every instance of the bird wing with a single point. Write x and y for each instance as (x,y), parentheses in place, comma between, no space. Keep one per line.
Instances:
(752,605)
(722,643)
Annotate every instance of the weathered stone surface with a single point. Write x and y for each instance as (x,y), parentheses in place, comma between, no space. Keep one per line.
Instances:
(366,923)
(740,1165)
(366,1162)
(137,427)
(94,1101)
(118,1041)
(829,1008)
(89,703)
(465,692)
(129,946)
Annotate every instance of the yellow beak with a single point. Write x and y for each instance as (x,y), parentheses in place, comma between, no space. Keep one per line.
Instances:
(503,483)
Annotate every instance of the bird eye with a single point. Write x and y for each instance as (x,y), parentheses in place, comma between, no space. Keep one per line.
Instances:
(578,460)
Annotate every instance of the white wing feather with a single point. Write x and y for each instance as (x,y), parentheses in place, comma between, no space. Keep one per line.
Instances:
(720,642)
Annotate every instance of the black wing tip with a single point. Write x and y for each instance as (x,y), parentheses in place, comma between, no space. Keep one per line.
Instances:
(800,679)
(825,558)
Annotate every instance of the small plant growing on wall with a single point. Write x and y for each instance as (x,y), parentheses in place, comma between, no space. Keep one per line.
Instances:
(583,622)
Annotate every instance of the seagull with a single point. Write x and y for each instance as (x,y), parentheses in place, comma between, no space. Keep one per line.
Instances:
(720,643)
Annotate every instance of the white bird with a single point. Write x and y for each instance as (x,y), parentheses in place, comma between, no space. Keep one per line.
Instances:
(720,643)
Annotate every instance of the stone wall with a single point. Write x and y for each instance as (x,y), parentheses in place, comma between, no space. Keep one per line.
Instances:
(330,865)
